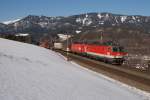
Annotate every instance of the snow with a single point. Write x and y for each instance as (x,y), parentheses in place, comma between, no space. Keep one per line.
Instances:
(123,18)
(89,22)
(99,16)
(86,15)
(28,72)
(78,31)
(101,22)
(85,21)
(43,24)
(116,20)
(133,17)
(138,20)
(107,15)
(22,34)
(11,21)
(78,20)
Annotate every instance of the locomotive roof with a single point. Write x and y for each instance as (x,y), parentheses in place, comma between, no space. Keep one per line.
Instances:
(108,43)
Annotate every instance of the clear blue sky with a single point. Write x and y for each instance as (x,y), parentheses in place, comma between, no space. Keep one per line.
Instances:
(13,9)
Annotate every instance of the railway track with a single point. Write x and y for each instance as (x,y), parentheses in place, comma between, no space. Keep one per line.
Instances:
(128,76)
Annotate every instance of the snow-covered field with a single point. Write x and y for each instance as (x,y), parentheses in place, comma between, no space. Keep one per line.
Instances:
(28,72)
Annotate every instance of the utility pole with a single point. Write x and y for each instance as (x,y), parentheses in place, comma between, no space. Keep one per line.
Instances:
(101,38)
(67,49)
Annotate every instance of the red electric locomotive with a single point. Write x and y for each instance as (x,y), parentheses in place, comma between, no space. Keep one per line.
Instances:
(107,52)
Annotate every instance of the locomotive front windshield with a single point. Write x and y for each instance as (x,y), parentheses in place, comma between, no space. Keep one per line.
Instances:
(118,49)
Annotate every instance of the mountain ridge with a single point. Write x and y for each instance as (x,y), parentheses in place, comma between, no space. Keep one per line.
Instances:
(41,25)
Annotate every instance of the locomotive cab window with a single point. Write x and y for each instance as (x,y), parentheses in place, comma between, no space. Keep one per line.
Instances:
(115,49)
(118,49)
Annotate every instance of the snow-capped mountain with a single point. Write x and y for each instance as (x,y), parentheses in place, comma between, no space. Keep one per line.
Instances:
(11,21)
(70,24)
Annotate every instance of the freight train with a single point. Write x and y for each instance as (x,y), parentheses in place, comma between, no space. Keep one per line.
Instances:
(107,52)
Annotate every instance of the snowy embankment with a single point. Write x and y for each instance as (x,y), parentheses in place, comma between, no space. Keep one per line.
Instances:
(28,72)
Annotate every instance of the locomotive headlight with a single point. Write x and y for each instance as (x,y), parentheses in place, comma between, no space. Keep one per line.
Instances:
(79,48)
(108,53)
